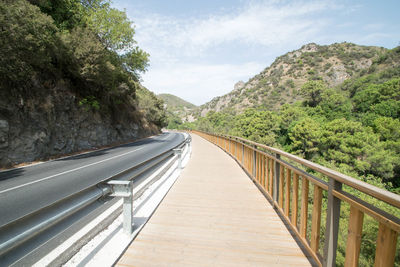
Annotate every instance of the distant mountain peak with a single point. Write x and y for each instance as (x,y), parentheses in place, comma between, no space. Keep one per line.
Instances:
(177,107)
(280,82)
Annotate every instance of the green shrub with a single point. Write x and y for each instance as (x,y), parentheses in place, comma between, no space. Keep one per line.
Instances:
(28,44)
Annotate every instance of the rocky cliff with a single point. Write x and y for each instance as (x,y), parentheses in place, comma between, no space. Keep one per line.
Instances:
(54,123)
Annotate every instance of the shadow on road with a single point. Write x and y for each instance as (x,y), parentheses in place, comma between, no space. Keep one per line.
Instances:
(108,150)
(11,174)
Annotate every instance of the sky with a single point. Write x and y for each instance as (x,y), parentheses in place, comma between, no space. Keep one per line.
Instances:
(199,49)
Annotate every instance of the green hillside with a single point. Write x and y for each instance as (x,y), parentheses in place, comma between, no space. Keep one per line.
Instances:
(353,126)
(176,102)
(280,83)
(178,110)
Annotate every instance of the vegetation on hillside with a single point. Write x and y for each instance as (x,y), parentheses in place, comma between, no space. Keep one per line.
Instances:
(175,102)
(280,83)
(177,109)
(87,44)
(353,127)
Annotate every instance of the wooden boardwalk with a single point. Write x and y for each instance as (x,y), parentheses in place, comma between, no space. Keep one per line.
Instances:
(214,216)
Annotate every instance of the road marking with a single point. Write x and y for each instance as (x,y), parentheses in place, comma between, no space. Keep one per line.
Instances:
(82,167)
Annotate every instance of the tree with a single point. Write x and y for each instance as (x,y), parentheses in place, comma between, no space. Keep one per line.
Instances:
(388,128)
(364,99)
(289,115)
(312,92)
(374,94)
(305,137)
(116,32)
(390,90)
(257,125)
(174,122)
(335,105)
(388,108)
(66,14)
(27,41)
(112,26)
(136,61)
(350,143)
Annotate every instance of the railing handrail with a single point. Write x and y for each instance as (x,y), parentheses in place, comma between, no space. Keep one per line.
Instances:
(379,193)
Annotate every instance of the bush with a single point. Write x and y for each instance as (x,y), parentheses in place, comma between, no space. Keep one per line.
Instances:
(28,43)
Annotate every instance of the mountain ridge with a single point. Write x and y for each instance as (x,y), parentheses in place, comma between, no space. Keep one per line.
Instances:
(280,82)
(173,100)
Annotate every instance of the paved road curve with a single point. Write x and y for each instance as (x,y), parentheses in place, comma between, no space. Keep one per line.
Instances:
(25,190)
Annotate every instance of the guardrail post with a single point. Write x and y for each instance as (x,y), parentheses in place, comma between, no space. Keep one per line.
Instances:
(189,147)
(332,224)
(124,189)
(276,178)
(178,151)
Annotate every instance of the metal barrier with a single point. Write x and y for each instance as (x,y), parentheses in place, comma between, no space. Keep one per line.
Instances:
(280,181)
(17,232)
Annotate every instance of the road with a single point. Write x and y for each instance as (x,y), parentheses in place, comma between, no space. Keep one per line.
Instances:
(25,190)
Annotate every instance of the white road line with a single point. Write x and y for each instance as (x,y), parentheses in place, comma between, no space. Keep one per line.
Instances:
(82,167)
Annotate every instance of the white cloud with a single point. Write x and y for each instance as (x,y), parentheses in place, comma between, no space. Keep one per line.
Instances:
(199,83)
(266,23)
(370,38)
(180,46)
(374,26)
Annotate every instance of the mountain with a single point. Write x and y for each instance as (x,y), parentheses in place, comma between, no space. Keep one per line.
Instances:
(281,81)
(175,102)
(353,126)
(178,110)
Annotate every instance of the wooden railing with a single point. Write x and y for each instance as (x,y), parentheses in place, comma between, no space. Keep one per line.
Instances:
(291,189)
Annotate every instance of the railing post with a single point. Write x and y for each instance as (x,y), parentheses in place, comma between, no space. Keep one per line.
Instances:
(178,151)
(254,161)
(236,154)
(276,178)
(124,189)
(332,224)
(242,154)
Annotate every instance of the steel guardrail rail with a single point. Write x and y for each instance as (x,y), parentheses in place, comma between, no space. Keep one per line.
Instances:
(15,233)
(288,188)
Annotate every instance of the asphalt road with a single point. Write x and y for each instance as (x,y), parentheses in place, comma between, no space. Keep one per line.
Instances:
(25,190)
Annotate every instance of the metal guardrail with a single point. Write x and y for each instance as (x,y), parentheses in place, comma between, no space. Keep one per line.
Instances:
(23,229)
(280,182)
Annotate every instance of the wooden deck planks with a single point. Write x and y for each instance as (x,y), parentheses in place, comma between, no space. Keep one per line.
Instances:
(214,215)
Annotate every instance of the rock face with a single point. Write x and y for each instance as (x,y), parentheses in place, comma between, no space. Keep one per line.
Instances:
(239,85)
(41,127)
(4,128)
